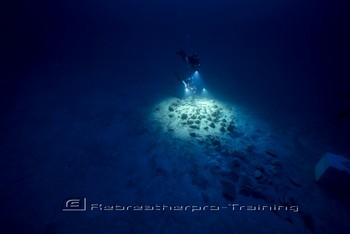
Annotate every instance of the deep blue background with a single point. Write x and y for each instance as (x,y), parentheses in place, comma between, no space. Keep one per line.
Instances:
(287,61)
(291,57)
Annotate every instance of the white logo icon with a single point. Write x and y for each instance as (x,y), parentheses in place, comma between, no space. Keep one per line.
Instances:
(74,204)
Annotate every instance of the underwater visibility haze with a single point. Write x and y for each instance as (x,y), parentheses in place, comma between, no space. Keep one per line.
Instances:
(175,117)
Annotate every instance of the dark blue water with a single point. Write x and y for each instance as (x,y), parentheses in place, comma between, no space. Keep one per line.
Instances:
(287,62)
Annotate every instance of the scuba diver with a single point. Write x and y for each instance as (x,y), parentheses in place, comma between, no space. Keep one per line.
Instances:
(193,82)
(192,61)
(188,83)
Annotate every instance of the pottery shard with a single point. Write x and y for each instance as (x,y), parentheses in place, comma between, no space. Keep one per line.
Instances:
(194,126)
(230,127)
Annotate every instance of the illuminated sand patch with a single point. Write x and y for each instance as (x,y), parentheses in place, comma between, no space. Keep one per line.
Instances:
(225,152)
(216,125)
(195,117)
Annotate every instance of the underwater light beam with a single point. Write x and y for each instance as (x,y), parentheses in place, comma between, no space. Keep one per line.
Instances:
(195,117)
(196,74)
